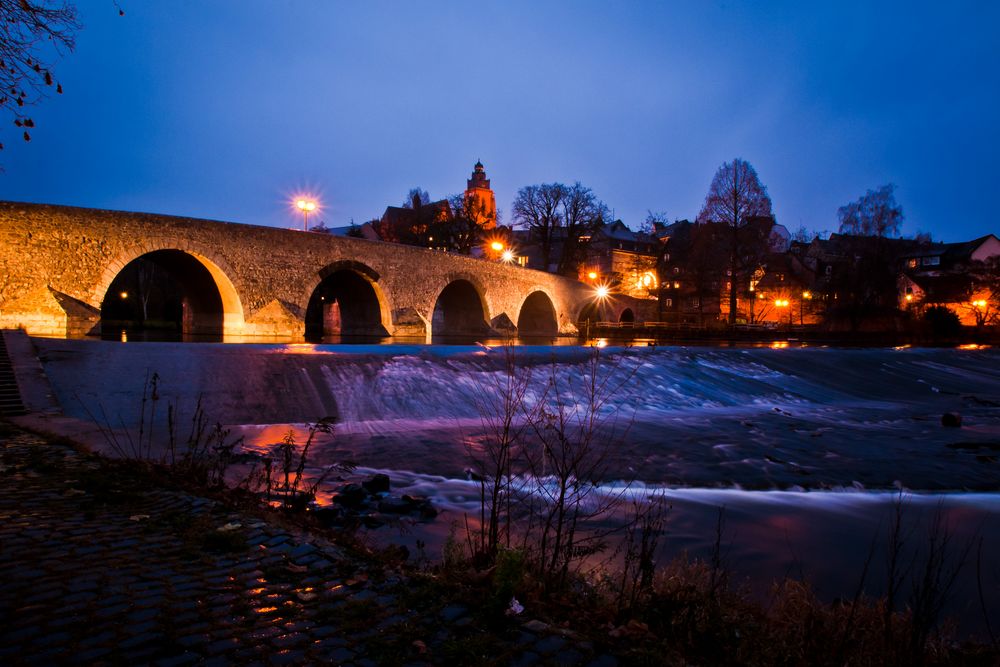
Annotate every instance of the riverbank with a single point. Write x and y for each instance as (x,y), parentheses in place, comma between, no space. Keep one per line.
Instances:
(109,562)
(106,563)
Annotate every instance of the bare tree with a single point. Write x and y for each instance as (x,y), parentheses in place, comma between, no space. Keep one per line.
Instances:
(31,30)
(738,200)
(471,218)
(537,208)
(654,221)
(802,235)
(876,213)
(582,214)
(501,401)
(985,290)
(416,198)
(578,433)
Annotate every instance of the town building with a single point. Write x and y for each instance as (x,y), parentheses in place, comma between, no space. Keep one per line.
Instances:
(950,275)
(623,259)
(479,199)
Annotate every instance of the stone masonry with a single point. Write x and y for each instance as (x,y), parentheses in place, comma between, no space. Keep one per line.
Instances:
(57,263)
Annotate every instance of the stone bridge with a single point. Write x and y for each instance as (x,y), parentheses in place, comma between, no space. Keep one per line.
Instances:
(67,271)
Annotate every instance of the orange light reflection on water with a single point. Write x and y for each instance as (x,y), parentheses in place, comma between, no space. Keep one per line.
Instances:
(301,348)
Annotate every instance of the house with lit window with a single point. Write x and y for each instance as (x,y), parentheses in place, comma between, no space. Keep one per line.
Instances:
(947,274)
(691,271)
(617,256)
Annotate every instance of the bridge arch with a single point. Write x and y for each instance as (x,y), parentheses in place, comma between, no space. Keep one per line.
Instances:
(460,308)
(537,315)
(627,316)
(348,301)
(200,299)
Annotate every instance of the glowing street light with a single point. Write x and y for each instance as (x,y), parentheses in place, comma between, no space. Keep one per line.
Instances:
(307,206)
(784,303)
(979,303)
(507,256)
(123,295)
(602,292)
(592,275)
(496,246)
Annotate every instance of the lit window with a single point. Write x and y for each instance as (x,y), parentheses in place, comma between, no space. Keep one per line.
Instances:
(912,263)
(669,303)
(931,261)
(677,270)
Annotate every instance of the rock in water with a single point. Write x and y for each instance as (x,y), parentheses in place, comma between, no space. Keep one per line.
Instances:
(377,484)
(951,419)
(351,495)
(394,506)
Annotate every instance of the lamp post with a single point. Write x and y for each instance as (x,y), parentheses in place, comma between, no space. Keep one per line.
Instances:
(783,303)
(307,206)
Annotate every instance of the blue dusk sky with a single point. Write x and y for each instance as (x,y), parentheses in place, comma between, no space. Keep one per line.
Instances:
(225,109)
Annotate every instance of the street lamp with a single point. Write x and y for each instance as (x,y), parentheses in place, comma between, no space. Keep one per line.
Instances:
(783,303)
(507,256)
(307,206)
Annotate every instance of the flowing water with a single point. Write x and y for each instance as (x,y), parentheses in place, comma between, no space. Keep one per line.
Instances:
(806,448)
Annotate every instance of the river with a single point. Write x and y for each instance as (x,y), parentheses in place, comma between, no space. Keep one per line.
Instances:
(806,448)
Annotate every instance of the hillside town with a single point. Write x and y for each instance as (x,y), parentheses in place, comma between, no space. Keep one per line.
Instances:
(744,270)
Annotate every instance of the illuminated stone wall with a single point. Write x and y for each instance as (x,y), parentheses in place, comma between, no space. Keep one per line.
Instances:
(57,263)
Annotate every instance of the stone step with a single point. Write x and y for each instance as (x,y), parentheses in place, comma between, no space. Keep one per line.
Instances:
(11,404)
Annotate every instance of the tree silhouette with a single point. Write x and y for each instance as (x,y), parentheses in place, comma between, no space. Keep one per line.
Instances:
(582,215)
(31,30)
(537,208)
(875,213)
(738,201)
(416,198)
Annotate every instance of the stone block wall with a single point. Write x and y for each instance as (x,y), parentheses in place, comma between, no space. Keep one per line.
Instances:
(57,263)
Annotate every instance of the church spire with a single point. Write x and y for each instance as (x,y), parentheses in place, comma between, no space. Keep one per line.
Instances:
(480,198)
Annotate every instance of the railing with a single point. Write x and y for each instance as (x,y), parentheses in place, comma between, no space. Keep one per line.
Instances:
(673,326)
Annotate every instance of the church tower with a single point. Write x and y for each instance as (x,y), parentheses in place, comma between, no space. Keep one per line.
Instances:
(480,200)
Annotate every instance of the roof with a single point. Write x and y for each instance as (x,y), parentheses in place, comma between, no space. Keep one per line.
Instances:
(406,216)
(619,231)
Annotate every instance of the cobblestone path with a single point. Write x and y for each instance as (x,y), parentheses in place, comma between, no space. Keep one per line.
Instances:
(96,571)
